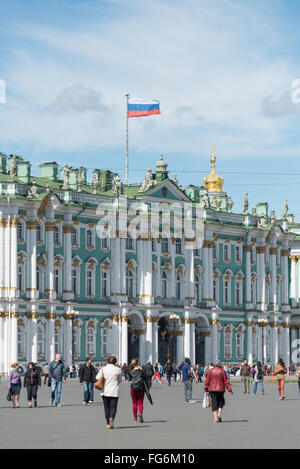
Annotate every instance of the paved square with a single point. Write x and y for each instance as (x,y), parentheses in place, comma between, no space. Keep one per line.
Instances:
(249,421)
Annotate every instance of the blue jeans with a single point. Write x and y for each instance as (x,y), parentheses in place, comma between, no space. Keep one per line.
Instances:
(187,390)
(88,391)
(56,386)
(261,387)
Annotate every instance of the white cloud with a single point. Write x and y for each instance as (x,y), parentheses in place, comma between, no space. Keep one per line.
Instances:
(207,62)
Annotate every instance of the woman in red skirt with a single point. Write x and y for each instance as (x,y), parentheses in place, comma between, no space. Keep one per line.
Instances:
(137,389)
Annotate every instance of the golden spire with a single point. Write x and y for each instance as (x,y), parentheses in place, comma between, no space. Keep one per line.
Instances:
(213,182)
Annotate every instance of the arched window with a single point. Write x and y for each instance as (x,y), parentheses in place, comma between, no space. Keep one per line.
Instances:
(178,287)
(227,343)
(238,254)
(89,238)
(20,235)
(238,292)
(104,242)
(74,240)
(129,243)
(227,290)
(75,283)
(21,340)
(40,341)
(56,236)
(89,283)
(215,251)
(197,288)
(104,284)
(38,231)
(239,344)
(226,252)
(178,246)
(216,288)
(21,278)
(165,246)
(57,280)
(164,285)
(129,282)
(90,341)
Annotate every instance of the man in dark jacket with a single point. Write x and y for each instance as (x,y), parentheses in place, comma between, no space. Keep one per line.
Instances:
(149,372)
(246,376)
(32,381)
(87,377)
(168,371)
(58,375)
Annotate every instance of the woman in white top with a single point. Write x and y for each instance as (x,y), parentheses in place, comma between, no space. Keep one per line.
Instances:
(110,393)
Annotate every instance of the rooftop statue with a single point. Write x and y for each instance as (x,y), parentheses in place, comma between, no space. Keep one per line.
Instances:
(80,181)
(218,202)
(148,181)
(13,168)
(66,175)
(95,183)
(272,217)
(230,204)
(245,204)
(33,191)
(117,186)
(285,210)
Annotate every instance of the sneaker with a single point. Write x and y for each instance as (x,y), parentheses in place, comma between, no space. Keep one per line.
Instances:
(91,402)
(84,404)
(186,401)
(141,418)
(35,403)
(192,401)
(111,423)
(51,403)
(30,405)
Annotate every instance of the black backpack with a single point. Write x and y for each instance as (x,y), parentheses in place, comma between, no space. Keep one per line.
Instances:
(137,381)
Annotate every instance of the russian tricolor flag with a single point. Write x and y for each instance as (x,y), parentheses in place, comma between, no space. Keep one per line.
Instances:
(142,107)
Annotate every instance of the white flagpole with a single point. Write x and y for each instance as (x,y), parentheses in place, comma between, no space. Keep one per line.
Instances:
(127,159)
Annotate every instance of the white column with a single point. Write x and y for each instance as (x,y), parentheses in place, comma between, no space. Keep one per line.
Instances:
(115,337)
(34,332)
(193,343)
(249,304)
(2,256)
(149,338)
(180,349)
(210,280)
(187,337)
(67,291)
(190,291)
(261,277)
(123,266)
(275,342)
(214,338)
(14,337)
(68,339)
(2,316)
(294,280)
(6,357)
(147,295)
(273,266)
(140,269)
(286,342)
(50,255)
(249,341)
(7,253)
(285,281)
(155,339)
(172,278)
(13,258)
(142,347)
(206,271)
(158,269)
(124,337)
(51,331)
(259,345)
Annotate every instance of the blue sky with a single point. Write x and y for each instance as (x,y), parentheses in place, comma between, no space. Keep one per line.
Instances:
(222,70)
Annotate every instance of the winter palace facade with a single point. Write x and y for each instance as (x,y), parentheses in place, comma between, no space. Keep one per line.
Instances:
(93,268)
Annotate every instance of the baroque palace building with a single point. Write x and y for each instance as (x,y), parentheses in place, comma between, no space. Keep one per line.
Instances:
(220,290)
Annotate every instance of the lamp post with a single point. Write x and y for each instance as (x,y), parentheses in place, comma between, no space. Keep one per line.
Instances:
(74,314)
(174,317)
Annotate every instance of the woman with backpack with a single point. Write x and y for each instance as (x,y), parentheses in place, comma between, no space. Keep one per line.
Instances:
(137,388)
(32,381)
(258,377)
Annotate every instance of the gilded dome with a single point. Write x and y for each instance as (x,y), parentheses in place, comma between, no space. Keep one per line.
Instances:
(213,182)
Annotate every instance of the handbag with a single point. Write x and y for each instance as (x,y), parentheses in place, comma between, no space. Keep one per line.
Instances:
(8,397)
(100,383)
(206,401)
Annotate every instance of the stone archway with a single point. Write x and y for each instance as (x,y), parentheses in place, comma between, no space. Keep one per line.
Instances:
(134,336)
(165,341)
(201,329)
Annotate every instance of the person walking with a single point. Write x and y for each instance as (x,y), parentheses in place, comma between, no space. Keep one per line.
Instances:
(216,382)
(46,373)
(156,373)
(149,373)
(187,379)
(137,389)
(246,376)
(280,372)
(175,371)
(58,375)
(258,377)
(112,377)
(87,378)
(32,382)
(168,371)
(15,385)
